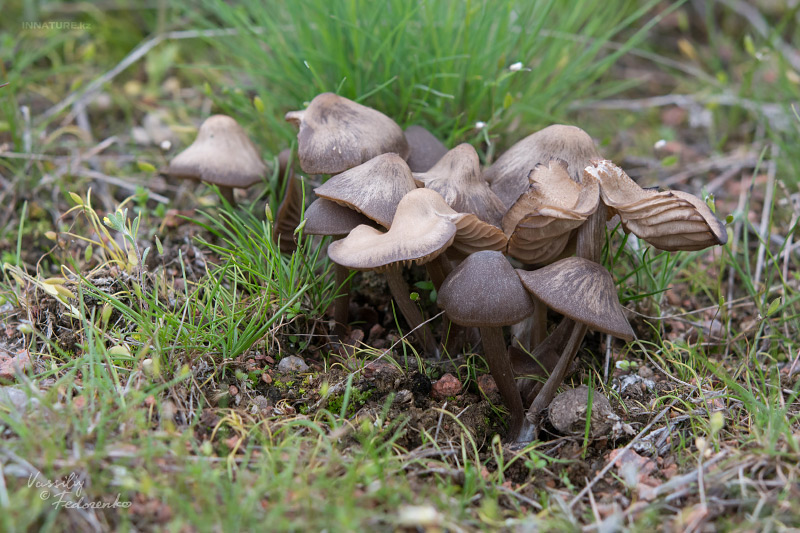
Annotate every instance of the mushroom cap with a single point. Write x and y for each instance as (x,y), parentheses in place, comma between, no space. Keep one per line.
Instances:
(418,234)
(457,177)
(221,154)
(581,290)
(542,220)
(508,175)
(373,188)
(474,235)
(424,149)
(324,217)
(483,291)
(669,220)
(337,134)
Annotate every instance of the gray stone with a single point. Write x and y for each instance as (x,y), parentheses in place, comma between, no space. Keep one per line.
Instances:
(292,363)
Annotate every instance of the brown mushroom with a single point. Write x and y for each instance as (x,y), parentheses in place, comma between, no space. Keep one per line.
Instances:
(223,155)
(337,134)
(508,175)
(484,292)
(584,292)
(424,149)
(457,177)
(669,220)
(540,223)
(373,188)
(419,233)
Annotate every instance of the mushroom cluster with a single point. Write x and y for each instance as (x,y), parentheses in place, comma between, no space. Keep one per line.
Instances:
(397,198)
(502,245)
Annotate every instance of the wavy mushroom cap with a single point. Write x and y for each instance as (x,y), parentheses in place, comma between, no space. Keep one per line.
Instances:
(581,290)
(221,154)
(508,175)
(373,188)
(669,220)
(324,217)
(484,291)
(457,177)
(418,234)
(337,134)
(424,149)
(542,220)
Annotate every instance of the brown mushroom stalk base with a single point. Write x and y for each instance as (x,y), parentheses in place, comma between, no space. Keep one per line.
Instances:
(341,304)
(545,358)
(550,387)
(401,295)
(438,270)
(494,347)
(227,193)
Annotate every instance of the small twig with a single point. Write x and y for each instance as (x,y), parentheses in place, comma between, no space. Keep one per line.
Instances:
(128,184)
(82,95)
(733,162)
(766,211)
(524,499)
(774,112)
(439,423)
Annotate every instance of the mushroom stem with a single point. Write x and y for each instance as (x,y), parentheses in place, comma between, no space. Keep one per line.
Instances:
(438,270)
(544,359)
(400,292)
(550,387)
(591,233)
(539,332)
(341,302)
(499,365)
(227,193)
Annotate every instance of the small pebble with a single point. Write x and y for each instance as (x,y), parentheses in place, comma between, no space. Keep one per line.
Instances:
(567,412)
(487,385)
(292,363)
(447,385)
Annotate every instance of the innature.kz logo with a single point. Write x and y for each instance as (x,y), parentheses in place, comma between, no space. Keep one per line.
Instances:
(56,25)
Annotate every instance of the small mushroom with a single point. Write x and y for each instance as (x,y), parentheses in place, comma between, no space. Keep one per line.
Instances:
(508,175)
(223,155)
(373,188)
(584,292)
(424,149)
(337,134)
(457,177)
(418,234)
(484,292)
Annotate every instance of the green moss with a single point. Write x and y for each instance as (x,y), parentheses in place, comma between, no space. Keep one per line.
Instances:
(357,400)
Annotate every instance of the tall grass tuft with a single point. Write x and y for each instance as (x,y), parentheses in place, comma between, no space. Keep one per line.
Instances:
(445,65)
